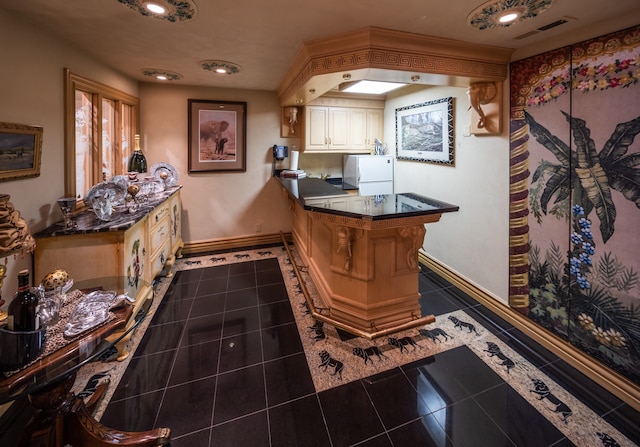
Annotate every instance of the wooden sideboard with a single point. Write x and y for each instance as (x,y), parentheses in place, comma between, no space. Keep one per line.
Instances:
(134,248)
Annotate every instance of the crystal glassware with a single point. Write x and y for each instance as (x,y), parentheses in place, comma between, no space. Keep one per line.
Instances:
(67,204)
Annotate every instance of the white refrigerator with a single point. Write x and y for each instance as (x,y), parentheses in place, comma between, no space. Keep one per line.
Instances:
(371,174)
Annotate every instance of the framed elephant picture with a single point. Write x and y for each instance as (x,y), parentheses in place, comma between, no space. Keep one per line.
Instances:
(217,136)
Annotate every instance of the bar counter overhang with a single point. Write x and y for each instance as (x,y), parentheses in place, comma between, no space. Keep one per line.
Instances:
(362,254)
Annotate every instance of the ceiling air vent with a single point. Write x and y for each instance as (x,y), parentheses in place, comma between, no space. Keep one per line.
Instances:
(525,35)
(546,27)
(553,24)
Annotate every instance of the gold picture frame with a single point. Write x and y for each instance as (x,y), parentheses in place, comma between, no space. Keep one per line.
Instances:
(20,151)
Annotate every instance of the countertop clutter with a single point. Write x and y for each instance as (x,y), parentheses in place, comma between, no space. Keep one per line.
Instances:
(87,222)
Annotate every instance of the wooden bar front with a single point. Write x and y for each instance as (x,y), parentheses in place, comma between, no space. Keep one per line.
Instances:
(365,269)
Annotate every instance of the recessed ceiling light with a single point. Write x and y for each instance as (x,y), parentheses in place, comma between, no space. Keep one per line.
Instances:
(508,17)
(221,67)
(155,8)
(372,87)
(161,75)
(503,13)
(169,10)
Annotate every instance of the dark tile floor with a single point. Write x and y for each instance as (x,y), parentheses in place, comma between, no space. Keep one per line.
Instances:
(222,364)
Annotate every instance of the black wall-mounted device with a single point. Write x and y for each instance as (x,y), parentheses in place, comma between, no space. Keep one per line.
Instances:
(280,152)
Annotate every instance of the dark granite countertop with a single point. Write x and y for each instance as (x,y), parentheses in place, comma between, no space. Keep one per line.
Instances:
(87,222)
(340,183)
(320,196)
(305,188)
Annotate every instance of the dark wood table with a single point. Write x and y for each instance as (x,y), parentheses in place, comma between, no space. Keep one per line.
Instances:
(61,417)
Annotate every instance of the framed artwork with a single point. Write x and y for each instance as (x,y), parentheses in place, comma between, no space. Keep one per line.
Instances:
(20,151)
(217,136)
(424,132)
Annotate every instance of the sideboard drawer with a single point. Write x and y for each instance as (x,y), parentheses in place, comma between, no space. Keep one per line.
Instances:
(159,258)
(158,214)
(159,234)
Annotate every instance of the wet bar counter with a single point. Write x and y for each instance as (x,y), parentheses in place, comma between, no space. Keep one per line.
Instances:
(362,253)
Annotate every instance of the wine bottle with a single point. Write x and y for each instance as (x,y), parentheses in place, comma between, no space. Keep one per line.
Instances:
(137,161)
(22,311)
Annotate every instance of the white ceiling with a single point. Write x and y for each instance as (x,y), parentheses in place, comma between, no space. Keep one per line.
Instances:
(263,36)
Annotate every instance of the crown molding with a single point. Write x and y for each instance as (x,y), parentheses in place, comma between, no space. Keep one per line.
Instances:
(389,55)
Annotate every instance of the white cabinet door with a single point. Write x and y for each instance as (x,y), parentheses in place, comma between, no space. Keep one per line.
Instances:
(338,128)
(358,130)
(375,126)
(316,123)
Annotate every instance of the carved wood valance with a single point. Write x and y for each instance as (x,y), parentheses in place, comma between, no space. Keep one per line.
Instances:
(382,54)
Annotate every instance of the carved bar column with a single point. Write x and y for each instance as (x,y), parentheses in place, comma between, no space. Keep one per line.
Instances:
(366,271)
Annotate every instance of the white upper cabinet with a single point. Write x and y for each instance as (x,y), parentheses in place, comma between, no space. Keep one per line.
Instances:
(326,129)
(329,129)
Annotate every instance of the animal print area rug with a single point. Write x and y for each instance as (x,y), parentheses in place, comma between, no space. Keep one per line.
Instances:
(334,359)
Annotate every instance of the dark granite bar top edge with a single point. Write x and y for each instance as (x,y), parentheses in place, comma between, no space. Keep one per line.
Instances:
(306,188)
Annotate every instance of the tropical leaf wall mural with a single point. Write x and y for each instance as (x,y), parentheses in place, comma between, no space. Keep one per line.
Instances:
(575,196)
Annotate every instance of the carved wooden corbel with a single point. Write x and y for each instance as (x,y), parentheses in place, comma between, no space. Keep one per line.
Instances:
(415,235)
(290,126)
(345,240)
(486,102)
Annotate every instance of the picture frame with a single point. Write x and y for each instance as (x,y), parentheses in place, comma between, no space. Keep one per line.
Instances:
(424,132)
(217,136)
(20,151)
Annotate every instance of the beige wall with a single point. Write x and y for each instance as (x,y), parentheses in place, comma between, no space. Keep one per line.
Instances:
(31,92)
(473,241)
(218,205)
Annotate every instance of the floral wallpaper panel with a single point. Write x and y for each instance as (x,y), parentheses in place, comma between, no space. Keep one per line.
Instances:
(575,196)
